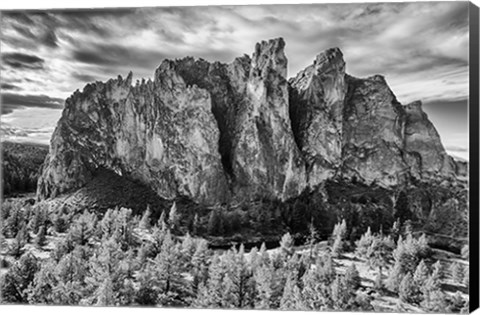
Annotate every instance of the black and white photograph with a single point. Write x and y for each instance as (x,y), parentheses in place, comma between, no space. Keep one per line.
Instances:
(294,157)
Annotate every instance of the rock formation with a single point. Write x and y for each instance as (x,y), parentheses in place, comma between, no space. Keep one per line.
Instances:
(216,132)
(317,97)
(422,138)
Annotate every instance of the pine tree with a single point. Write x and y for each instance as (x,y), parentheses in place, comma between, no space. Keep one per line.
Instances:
(238,280)
(342,295)
(212,294)
(18,278)
(145,221)
(168,271)
(107,224)
(457,272)
(264,256)
(124,225)
(83,228)
(187,251)
(338,236)
(364,243)
(105,295)
(434,302)
(40,290)
(438,270)
(421,274)
(174,217)
(16,248)
(264,286)
(292,298)
(312,238)
(396,229)
(466,277)
(38,219)
(14,222)
(162,224)
(408,290)
(200,264)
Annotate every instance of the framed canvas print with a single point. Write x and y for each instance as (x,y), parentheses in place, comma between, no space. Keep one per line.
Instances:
(299,157)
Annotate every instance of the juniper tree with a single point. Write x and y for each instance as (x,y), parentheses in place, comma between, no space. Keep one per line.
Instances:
(286,245)
(352,277)
(38,219)
(16,247)
(41,239)
(14,222)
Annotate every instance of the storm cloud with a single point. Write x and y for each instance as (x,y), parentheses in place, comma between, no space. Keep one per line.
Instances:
(23,61)
(11,101)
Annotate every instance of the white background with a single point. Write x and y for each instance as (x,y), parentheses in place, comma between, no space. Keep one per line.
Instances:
(47,4)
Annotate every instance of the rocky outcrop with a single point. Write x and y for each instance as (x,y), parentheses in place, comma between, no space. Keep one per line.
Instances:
(266,160)
(422,138)
(317,97)
(161,133)
(215,132)
(374,123)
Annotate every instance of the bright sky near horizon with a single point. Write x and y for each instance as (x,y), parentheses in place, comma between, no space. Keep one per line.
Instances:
(421,49)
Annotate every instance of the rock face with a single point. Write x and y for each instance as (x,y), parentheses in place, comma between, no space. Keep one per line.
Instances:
(161,133)
(216,132)
(266,160)
(422,137)
(374,123)
(317,97)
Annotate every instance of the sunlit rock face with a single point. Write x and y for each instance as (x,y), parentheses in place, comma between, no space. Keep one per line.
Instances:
(317,97)
(216,132)
(159,132)
(266,160)
(373,133)
(422,137)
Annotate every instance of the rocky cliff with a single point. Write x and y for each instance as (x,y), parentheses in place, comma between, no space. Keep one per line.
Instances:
(216,132)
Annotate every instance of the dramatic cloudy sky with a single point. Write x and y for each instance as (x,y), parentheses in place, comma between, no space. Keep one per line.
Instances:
(421,48)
